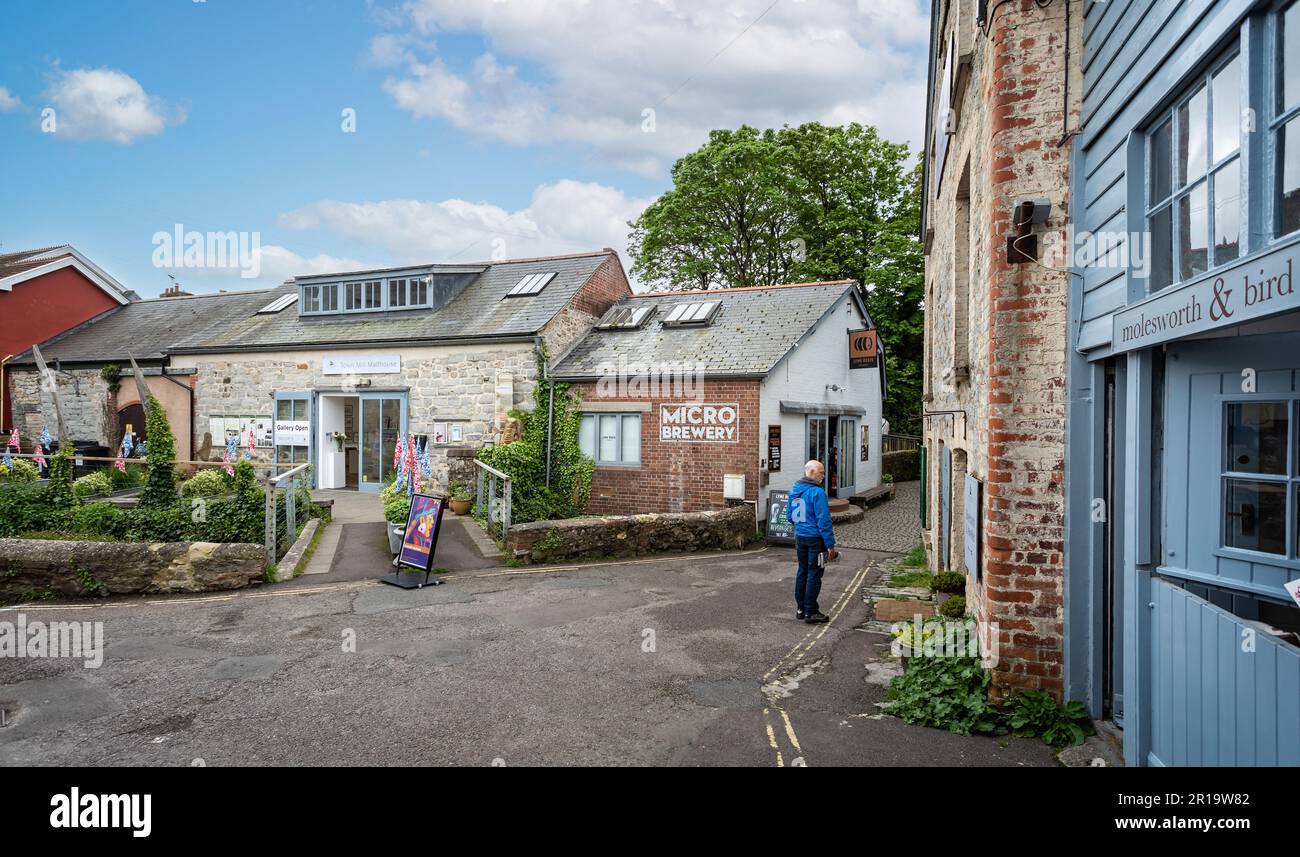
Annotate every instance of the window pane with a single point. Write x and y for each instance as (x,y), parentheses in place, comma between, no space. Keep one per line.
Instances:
(300,409)
(397,293)
(1227,111)
(374,296)
(1191,138)
(420,291)
(1162,179)
(1288,177)
(1227,212)
(608,438)
(1162,249)
(1193,233)
(330,298)
(587,436)
(631,451)
(310,300)
(1288,66)
(284,410)
(1256,437)
(1256,516)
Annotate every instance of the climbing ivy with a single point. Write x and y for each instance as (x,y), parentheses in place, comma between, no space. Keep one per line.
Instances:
(525,459)
(160,451)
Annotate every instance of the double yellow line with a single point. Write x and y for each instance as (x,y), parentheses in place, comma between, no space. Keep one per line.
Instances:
(792,658)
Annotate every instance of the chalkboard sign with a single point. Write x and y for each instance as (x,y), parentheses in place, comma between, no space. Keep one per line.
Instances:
(972,529)
(779,527)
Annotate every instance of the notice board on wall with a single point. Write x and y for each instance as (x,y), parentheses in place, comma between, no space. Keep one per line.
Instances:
(773,448)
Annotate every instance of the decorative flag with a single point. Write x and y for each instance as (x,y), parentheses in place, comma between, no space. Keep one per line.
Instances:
(44,444)
(252,445)
(13,440)
(128,444)
(426,466)
(8,459)
(232,449)
(119,463)
(411,462)
(46,440)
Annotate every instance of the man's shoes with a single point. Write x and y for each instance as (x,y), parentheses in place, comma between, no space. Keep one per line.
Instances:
(816,618)
(799,614)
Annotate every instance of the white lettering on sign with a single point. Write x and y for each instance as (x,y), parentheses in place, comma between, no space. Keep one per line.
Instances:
(691,423)
(361,364)
(292,433)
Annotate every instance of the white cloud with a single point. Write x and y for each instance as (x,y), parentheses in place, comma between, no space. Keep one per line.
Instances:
(280,263)
(106,104)
(8,102)
(564,217)
(561,72)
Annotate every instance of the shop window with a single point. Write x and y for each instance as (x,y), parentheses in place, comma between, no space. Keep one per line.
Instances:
(1194,184)
(1259,472)
(613,439)
(1285,123)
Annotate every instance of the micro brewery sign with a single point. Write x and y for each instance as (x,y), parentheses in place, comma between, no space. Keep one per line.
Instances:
(699,423)
(863,349)
(1245,292)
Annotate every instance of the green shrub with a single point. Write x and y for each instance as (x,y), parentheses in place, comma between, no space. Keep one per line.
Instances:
(133,477)
(954,607)
(240,517)
(160,492)
(1035,712)
(92,484)
(58,493)
(948,581)
(22,471)
(903,464)
(525,459)
(397,504)
(206,483)
(21,507)
(101,520)
(946,693)
(151,524)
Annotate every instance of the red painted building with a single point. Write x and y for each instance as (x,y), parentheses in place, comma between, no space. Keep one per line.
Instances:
(43,293)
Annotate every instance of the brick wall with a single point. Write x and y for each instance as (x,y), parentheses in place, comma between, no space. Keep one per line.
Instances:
(606,287)
(1010,323)
(675,476)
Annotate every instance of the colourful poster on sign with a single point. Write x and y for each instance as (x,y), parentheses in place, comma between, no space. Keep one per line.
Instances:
(421,537)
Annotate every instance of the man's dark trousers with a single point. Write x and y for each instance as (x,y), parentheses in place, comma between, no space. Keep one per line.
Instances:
(808,582)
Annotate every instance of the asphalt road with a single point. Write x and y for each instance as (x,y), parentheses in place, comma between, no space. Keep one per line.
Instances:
(680,661)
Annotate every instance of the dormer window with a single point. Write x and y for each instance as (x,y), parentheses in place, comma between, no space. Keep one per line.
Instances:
(625,318)
(697,314)
(381,294)
(530,285)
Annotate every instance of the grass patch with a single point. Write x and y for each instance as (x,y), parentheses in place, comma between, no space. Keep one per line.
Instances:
(915,558)
(911,578)
(311,548)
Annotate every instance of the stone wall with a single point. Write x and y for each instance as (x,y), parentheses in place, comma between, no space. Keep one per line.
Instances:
(632,535)
(87,408)
(30,568)
(1003,327)
(474,386)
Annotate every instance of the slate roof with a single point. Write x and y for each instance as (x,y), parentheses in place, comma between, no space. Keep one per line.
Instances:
(230,322)
(753,329)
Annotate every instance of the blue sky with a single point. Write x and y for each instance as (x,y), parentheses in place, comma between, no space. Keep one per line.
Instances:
(482,128)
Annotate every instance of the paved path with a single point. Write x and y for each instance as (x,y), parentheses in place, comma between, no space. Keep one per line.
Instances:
(668,661)
(892,527)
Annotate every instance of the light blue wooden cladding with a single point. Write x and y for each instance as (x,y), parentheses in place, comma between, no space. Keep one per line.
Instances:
(1226,694)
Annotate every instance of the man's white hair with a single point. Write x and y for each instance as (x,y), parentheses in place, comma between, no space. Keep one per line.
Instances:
(811,467)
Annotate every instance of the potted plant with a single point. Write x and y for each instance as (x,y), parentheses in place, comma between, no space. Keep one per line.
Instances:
(397,505)
(338,438)
(461,500)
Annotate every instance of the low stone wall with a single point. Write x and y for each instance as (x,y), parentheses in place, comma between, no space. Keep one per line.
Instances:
(34,568)
(632,535)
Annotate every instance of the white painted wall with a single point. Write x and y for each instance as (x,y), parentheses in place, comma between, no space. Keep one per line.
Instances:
(821,361)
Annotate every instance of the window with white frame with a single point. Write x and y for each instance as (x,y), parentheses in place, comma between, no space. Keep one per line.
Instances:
(613,439)
(404,292)
(1195,184)
(1285,124)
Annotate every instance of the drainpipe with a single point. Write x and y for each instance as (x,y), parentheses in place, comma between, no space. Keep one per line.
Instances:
(550,408)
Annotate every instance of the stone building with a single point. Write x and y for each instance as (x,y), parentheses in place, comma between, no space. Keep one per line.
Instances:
(1004,103)
(333,369)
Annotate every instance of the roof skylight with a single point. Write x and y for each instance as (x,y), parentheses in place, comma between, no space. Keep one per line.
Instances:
(625,318)
(694,313)
(278,304)
(530,285)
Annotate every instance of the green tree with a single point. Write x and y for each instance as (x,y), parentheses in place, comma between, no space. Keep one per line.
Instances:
(160,451)
(812,202)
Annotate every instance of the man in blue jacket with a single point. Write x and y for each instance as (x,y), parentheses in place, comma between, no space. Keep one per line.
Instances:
(814,542)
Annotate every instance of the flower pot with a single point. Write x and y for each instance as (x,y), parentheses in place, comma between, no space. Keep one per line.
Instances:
(395,533)
(460,507)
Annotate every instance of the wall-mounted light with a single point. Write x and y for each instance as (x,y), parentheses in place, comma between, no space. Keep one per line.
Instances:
(1022,246)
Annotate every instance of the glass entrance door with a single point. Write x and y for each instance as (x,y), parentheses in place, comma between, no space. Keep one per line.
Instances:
(819,429)
(383,423)
(848,449)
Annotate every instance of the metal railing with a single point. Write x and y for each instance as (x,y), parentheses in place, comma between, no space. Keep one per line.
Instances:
(286,512)
(899,443)
(489,506)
